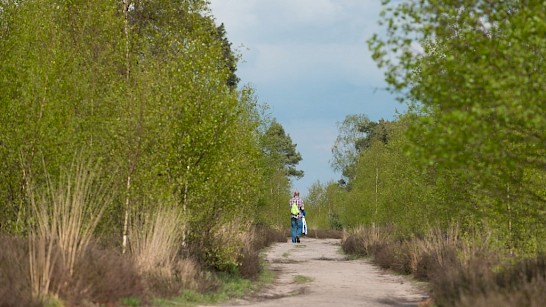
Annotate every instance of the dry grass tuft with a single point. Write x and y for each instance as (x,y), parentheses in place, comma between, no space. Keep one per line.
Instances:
(156,242)
(65,217)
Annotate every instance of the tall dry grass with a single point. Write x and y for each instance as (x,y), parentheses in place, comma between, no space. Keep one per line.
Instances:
(156,239)
(65,216)
(156,242)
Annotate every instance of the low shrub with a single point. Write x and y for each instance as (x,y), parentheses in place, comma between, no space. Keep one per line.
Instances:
(354,245)
(249,257)
(461,272)
(184,275)
(15,288)
(384,254)
(363,241)
(325,233)
(523,284)
(258,238)
(103,276)
(426,263)
(265,236)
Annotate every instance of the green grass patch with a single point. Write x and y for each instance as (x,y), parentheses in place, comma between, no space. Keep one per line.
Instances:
(300,279)
(130,301)
(266,275)
(231,287)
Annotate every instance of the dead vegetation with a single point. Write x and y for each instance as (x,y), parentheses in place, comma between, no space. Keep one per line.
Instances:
(460,272)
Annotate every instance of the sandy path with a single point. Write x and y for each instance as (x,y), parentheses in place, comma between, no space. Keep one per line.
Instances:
(332,279)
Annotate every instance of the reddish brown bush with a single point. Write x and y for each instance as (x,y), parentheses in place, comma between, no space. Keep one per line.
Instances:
(461,273)
(15,289)
(353,245)
(325,233)
(524,272)
(265,236)
(102,276)
(186,274)
(425,265)
(384,254)
(453,280)
(476,284)
(259,238)
(250,263)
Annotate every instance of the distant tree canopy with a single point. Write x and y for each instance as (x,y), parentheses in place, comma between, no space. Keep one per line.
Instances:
(278,146)
(357,133)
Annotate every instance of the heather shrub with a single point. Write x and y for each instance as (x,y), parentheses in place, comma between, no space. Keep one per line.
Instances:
(325,233)
(384,254)
(102,276)
(185,274)
(363,241)
(265,236)
(254,241)
(524,272)
(461,272)
(522,284)
(15,288)
(249,257)
(354,245)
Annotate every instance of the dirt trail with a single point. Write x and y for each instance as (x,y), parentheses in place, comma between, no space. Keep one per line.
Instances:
(316,273)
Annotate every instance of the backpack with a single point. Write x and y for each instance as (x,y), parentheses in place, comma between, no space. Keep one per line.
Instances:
(294,209)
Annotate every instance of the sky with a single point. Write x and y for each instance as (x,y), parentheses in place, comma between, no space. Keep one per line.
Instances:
(308,60)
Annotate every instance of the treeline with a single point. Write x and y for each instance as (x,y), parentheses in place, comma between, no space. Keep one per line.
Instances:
(131,110)
(471,149)
(452,192)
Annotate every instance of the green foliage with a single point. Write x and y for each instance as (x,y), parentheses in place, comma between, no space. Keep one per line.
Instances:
(148,88)
(54,100)
(473,74)
(357,133)
(321,206)
(387,187)
(278,162)
(280,150)
(229,287)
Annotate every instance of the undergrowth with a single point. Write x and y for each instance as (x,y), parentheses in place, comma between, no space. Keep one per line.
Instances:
(103,276)
(460,271)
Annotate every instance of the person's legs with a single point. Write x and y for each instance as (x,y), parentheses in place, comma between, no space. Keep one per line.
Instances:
(299,230)
(294,225)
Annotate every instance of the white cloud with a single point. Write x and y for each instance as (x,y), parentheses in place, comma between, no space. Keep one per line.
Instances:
(288,39)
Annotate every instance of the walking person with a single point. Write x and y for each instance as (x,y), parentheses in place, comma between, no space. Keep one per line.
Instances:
(296,208)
